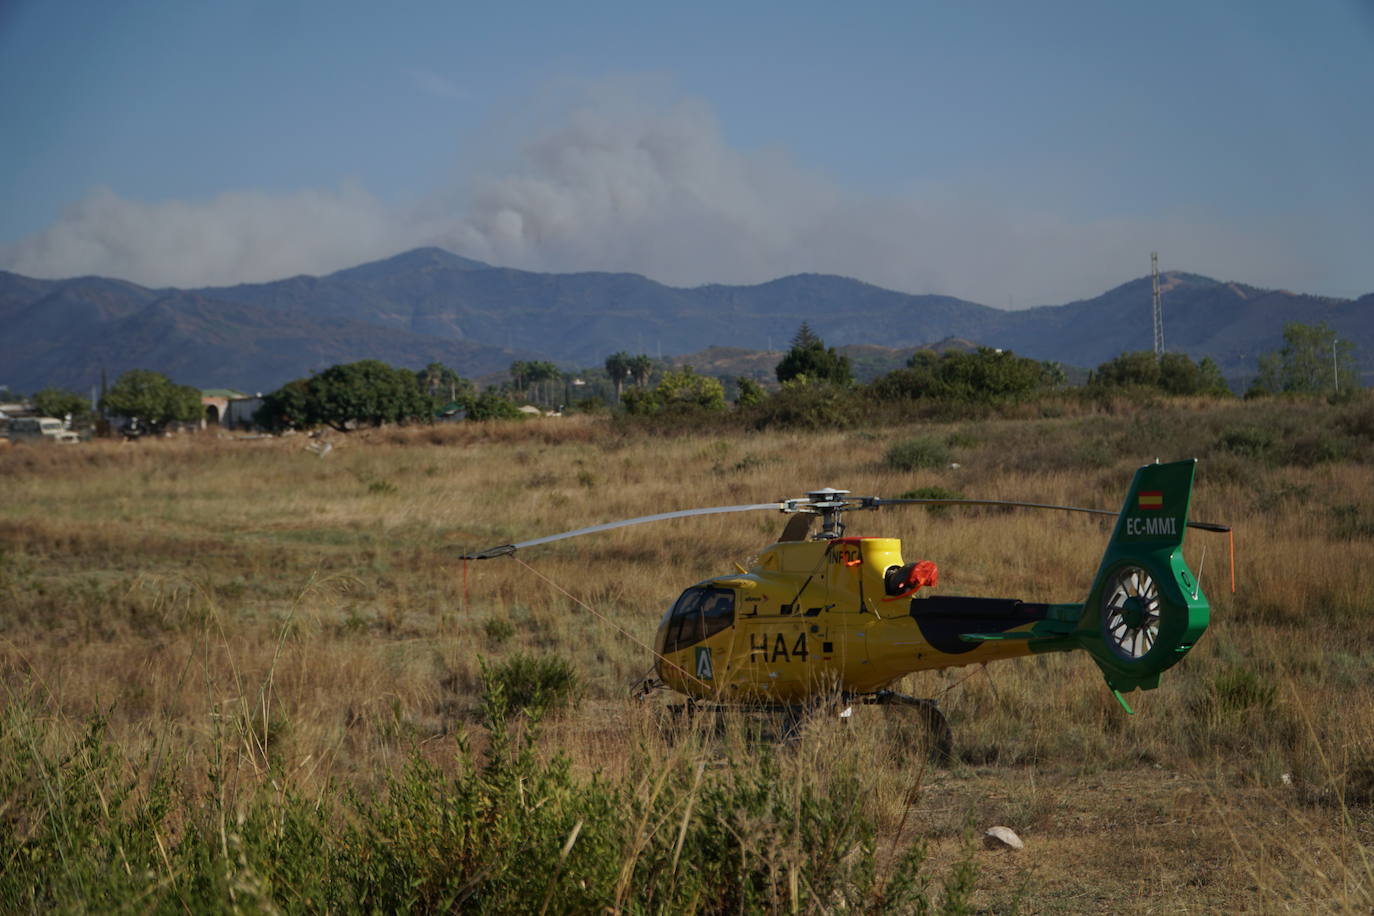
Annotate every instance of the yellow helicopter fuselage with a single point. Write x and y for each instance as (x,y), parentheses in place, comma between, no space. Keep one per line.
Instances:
(817,616)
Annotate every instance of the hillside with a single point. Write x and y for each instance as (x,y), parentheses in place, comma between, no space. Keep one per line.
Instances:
(429,304)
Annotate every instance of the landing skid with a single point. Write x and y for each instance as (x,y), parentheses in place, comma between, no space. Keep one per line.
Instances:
(910,724)
(916,720)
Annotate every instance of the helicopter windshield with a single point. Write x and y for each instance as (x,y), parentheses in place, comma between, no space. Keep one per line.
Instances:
(699,613)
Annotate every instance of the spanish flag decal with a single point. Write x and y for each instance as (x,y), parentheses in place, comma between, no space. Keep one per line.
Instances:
(1151,499)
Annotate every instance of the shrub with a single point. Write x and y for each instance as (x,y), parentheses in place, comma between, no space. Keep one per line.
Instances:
(498,630)
(509,830)
(749,393)
(1238,688)
(1318,447)
(491,405)
(811,406)
(640,401)
(1248,441)
(685,388)
(917,453)
(1172,373)
(528,682)
(1349,523)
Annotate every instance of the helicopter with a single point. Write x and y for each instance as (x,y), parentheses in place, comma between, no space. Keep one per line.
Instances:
(826,614)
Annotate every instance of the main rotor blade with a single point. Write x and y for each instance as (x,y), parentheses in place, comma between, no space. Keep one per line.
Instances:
(506,549)
(879,501)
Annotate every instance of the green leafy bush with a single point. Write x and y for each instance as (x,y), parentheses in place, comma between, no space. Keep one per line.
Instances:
(509,830)
(492,405)
(152,398)
(985,376)
(1317,447)
(1170,373)
(1255,442)
(542,683)
(686,389)
(915,454)
(498,630)
(810,406)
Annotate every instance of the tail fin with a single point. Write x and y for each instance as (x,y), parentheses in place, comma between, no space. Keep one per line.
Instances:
(1146,609)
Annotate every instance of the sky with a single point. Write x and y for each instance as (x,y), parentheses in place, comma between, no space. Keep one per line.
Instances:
(1008,153)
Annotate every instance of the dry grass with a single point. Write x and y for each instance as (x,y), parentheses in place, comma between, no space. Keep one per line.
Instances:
(309,614)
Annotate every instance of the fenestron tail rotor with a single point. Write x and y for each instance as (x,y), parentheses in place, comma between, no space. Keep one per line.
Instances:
(1131,612)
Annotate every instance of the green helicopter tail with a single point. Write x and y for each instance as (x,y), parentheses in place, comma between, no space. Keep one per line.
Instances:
(1146,609)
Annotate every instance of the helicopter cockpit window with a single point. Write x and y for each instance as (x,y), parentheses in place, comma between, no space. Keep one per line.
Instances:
(698,614)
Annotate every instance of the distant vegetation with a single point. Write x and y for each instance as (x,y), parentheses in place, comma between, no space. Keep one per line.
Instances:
(816,388)
(1312,361)
(810,360)
(368,392)
(153,399)
(54,402)
(986,376)
(1168,373)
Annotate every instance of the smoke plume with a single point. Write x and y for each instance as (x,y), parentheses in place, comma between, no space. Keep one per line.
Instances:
(622,184)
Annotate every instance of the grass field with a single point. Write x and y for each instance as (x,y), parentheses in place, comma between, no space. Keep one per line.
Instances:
(241,676)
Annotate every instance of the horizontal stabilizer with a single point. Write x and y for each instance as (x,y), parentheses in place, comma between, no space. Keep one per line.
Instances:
(1023,636)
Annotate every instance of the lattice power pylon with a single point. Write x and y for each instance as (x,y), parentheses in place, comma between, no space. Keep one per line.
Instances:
(1158,315)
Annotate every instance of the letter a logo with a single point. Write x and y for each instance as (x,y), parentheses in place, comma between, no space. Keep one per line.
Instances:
(704,663)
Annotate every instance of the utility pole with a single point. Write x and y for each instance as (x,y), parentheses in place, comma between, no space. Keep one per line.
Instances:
(1158,315)
(1335,370)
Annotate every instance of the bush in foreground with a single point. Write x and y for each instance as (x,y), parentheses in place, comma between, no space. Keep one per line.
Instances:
(506,831)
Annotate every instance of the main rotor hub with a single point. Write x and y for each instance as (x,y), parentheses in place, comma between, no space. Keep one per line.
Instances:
(828,498)
(828,503)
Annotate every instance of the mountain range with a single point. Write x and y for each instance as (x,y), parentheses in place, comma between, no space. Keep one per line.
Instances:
(431,305)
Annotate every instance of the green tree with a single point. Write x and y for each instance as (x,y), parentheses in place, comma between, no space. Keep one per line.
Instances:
(684,388)
(58,402)
(640,401)
(1269,379)
(805,338)
(1313,360)
(617,370)
(990,376)
(368,392)
(152,399)
(1179,375)
(986,376)
(641,368)
(443,385)
(750,392)
(810,360)
(492,405)
(1170,373)
(917,380)
(528,376)
(1128,370)
(286,408)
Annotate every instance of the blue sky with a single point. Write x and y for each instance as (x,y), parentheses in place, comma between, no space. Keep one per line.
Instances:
(1014,154)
